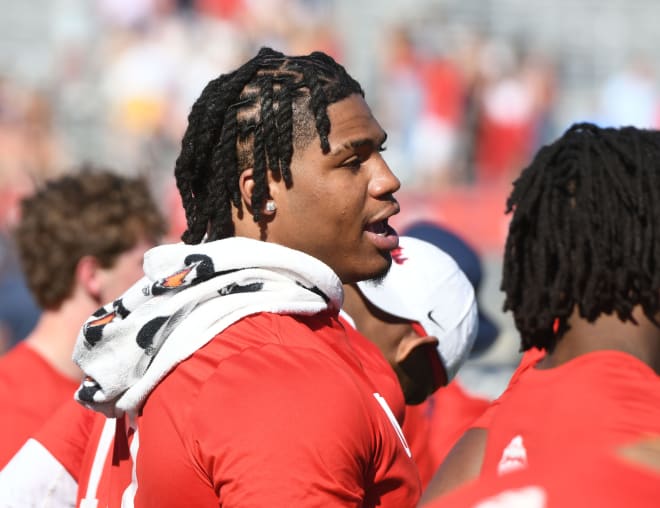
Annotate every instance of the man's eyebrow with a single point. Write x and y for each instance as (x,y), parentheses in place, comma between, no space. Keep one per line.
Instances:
(357,143)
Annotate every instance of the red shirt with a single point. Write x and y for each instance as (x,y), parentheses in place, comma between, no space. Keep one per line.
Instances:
(66,434)
(378,369)
(433,427)
(600,399)
(31,390)
(275,411)
(572,481)
(529,359)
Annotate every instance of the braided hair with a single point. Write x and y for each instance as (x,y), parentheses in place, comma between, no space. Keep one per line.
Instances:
(585,232)
(253,117)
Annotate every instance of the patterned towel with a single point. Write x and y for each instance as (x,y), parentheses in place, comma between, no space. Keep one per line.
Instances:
(189,294)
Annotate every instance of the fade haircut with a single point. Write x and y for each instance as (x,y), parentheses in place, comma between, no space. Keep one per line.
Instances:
(90,212)
(253,117)
(585,232)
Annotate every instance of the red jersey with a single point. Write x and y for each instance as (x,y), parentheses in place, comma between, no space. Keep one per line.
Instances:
(433,427)
(590,479)
(600,399)
(275,411)
(529,360)
(31,390)
(378,369)
(66,435)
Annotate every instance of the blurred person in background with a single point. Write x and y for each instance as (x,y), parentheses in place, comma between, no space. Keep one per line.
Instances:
(629,96)
(18,310)
(580,278)
(401,98)
(30,152)
(506,113)
(423,317)
(80,239)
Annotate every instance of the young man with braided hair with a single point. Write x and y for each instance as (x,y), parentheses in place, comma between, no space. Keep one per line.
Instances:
(232,381)
(81,238)
(581,278)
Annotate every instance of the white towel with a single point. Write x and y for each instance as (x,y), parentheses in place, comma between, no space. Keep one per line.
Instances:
(189,294)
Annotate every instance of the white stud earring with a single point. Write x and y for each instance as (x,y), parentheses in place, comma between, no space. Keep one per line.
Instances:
(271,206)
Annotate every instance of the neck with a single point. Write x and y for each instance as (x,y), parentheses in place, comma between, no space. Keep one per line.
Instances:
(608,332)
(354,306)
(55,335)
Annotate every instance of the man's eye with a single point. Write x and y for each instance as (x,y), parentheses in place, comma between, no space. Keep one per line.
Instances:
(353,163)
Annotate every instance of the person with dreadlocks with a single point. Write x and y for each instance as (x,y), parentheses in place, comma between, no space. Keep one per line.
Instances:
(580,275)
(225,373)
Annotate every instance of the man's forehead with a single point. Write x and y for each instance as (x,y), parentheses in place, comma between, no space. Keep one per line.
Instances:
(352,124)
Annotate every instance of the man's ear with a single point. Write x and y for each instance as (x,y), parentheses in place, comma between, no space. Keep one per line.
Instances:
(246,186)
(88,277)
(411,343)
(416,351)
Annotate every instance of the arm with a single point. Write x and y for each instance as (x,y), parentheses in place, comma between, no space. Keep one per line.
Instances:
(57,448)
(23,484)
(462,464)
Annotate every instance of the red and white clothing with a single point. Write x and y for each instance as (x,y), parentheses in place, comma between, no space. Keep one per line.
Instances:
(275,409)
(312,432)
(378,369)
(597,400)
(31,390)
(593,478)
(528,361)
(430,428)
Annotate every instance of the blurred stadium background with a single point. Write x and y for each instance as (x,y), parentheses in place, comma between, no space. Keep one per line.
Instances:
(467,90)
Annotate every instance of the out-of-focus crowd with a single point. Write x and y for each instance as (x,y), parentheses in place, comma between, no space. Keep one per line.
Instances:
(462,108)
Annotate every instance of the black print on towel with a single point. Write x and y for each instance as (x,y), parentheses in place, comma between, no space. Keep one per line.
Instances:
(198,268)
(235,288)
(93,331)
(145,337)
(88,389)
(316,291)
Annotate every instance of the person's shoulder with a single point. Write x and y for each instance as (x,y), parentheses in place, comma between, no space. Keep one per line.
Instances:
(591,478)
(296,367)
(19,366)
(295,359)
(611,368)
(273,375)
(256,330)
(259,351)
(19,353)
(278,393)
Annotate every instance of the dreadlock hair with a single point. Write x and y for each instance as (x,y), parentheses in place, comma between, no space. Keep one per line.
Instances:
(253,117)
(585,232)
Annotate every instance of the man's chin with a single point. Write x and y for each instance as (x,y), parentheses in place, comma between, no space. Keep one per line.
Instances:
(378,278)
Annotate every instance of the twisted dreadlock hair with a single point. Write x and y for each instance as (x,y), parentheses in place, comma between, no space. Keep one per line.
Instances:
(253,117)
(585,232)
